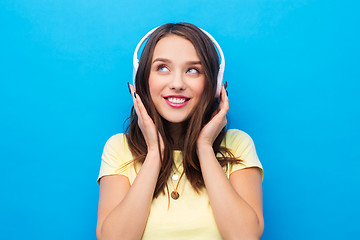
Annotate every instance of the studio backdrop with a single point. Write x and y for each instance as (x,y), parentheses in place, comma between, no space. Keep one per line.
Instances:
(292,69)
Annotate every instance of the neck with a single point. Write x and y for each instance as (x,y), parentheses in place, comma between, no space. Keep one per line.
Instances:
(176,132)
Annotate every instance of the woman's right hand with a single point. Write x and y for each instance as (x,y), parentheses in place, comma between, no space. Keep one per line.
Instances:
(146,124)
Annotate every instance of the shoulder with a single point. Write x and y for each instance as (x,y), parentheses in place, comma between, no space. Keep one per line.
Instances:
(236,133)
(115,156)
(117,138)
(243,147)
(117,146)
(236,137)
(116,141)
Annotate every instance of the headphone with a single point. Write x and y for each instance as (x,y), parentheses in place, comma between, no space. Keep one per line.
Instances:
(221,66)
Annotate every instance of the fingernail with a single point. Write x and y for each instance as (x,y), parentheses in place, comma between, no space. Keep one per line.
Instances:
(135,94)
(129,87)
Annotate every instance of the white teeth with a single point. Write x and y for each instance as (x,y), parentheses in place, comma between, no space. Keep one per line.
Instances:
(176,100)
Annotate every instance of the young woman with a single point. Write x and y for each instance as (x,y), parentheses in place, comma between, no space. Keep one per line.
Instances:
(177,173)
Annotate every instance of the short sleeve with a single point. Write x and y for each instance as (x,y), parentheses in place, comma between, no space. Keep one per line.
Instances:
(242,146)
(116,157)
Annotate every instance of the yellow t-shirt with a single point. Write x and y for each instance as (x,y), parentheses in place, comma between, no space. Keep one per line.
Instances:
(190,216)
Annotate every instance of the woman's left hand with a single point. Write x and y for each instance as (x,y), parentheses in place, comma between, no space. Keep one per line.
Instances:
(218,121)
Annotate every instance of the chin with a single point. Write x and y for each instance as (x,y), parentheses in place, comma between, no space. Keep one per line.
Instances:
(175,119)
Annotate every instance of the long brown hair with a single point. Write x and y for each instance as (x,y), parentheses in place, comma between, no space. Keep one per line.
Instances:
(200,116)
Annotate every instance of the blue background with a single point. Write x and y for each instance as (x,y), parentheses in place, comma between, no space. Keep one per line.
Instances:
(293,79)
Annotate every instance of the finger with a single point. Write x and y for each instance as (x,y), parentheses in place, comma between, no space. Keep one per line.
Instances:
(132,91)
(214,113)
(142,109)
(224,103)
(223,107)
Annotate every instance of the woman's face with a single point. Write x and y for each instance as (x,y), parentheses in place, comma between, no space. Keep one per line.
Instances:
(176,78)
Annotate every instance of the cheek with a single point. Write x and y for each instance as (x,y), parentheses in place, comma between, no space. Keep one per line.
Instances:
(153,86)
(199,87)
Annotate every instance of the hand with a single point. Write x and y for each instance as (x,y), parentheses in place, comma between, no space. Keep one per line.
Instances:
(218,121)
(146,124)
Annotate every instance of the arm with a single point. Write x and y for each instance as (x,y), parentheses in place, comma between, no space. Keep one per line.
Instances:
(236,203)
(124,209)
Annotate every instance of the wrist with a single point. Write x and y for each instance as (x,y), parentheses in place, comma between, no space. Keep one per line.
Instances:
(154,152)
(204,147)
(155,148)
(153,157)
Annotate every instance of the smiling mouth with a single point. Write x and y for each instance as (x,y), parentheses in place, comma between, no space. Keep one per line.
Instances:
(176,100)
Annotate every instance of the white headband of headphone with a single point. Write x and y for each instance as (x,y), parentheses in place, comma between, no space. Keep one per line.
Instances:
(221,66)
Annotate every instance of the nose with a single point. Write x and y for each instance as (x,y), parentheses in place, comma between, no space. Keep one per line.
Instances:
(177,81)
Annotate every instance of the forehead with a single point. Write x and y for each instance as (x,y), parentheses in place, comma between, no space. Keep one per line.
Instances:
(175,48)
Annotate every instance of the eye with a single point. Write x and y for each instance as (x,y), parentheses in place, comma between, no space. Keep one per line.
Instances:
(193,70)
(162,68)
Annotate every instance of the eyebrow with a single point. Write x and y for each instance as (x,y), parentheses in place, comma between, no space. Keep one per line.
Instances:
(167,61)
